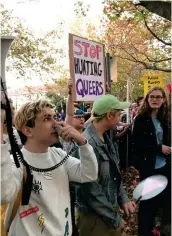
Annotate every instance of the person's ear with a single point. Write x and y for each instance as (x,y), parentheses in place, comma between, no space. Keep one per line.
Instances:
(27,131)
(109,116)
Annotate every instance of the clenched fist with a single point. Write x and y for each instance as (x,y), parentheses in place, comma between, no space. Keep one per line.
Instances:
(68,133)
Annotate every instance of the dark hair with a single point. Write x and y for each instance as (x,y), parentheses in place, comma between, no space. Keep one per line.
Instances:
(87,116)
(139,99)
(23,138)
(145,109)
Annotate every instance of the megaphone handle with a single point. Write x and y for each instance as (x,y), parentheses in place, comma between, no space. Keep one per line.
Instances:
(138,199)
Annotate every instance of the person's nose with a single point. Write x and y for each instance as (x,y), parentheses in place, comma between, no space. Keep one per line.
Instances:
(55,123)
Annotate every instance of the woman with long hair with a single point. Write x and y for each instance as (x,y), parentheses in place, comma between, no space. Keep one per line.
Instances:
(152,151)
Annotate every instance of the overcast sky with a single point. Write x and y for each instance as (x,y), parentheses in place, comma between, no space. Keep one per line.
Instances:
(42,16)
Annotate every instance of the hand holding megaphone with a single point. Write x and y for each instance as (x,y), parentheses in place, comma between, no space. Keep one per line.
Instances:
(68,133)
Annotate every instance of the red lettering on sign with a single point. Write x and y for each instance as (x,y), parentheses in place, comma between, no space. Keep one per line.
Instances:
(29,211)
(98,49)
(93,51)
(86,46)
(77,43)
(87,50)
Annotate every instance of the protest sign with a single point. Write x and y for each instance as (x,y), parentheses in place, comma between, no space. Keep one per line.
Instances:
(87,68)
(152,80)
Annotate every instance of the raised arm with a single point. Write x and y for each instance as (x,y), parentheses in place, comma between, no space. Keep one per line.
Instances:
(11,177)
(85,169)
(69,105)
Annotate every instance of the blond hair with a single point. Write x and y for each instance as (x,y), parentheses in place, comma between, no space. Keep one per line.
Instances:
(26,115)
(97,118)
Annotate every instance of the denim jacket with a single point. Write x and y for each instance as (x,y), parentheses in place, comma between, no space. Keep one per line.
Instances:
(103,196)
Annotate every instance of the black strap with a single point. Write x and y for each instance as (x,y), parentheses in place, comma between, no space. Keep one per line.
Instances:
(18,155)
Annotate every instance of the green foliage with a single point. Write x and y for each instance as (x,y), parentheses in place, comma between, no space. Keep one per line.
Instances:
(140,36)
(119,89)
(125,35)
(137,90)
(127,10)
(81,9)
(62,82)
(28,53)
(58,91)
(56,100)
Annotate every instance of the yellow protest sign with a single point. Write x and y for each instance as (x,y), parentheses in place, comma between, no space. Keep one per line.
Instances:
(152,80)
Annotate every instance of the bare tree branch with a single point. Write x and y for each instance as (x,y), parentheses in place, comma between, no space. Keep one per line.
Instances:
(160,8)
(157,61)
(129,54)
(159,39)
(126,58)
(149,59)
(146,66)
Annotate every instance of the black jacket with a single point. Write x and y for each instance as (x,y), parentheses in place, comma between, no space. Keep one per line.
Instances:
(144,144)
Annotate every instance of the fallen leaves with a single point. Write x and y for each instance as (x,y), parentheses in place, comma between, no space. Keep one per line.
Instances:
(130,180)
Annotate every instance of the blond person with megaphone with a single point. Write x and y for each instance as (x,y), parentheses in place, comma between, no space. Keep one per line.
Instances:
(51,169)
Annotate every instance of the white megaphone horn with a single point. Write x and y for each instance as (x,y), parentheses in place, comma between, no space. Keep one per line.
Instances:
(6,42)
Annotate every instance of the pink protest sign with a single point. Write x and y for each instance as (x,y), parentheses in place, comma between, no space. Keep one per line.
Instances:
(87,68)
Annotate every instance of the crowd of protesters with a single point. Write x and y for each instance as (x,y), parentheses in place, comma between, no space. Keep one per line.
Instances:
(98,140)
